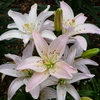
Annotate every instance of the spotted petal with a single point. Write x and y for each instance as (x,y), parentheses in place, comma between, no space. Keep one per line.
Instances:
(34,63)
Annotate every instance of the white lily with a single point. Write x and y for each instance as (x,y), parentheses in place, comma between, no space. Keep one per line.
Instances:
(27,23)
(49,63)
(22,77)
(64,85)
(75,25)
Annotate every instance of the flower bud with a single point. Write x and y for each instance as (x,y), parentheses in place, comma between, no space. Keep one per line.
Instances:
(58,19)
(90,53)
(86,98)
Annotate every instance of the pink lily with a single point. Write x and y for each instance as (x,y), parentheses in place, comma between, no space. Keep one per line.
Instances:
(75,25)
(49,63)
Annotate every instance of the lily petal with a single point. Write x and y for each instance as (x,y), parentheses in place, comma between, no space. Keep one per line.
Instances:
(9,69)
(15,58)
(87,28)
(40,43)
(80,19)
(14,86)
(61,92)
(82,41)
(12,25)
(80,76)
(48,93)
(27,52)
(33,63)
(18,18)
(36,79)
(71,57)
(67,11)
(33,15)
(72,91)
(57,47)
(11,34)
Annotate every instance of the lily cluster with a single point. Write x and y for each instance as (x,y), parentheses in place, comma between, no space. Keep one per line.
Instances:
(59,62)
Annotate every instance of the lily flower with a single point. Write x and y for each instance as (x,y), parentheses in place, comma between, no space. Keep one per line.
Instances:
(49,62)
(74,59)
(27,23)
(22,77)
(75,25)
(64,85)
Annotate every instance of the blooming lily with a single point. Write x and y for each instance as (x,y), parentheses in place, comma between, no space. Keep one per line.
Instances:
(22,77)
(26,23)
(64,85)
(75,25)
(49,63)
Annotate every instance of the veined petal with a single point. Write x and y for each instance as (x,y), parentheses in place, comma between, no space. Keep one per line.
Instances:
(57,47)
(42,17)
(80,76)
(71,57)
(61,92)
(49,82)
(36,79)
(12,25)
(9,69)
(14,86)
(40,44)
(18,18)
(82,41)
(34,63)
(33,15)
(27,52)
(11,34)
(87,28)
(15,58)
(48,93)
(49,35)
(80,19)
(72,91)
(67,11)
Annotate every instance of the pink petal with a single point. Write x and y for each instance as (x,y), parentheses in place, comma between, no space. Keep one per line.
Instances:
(62,71)
(57,47)
(67,11)
(82,41)
(14,86)
(34,63)
(36,79)
(80,19)
(72,91)
(61,92)
(71,57)
(80,76)
(87,28)
(27,52)
(40,44)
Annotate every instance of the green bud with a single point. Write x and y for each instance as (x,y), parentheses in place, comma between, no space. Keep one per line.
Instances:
(86,98)
(90,53)
(58,19)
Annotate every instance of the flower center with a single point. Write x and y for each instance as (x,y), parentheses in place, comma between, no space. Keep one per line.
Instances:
(28,72)
(62,81)
(70,22)
(28,28)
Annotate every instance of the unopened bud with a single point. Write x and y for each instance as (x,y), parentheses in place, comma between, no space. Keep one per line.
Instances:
(90,53)
(86,98)
(58,19)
